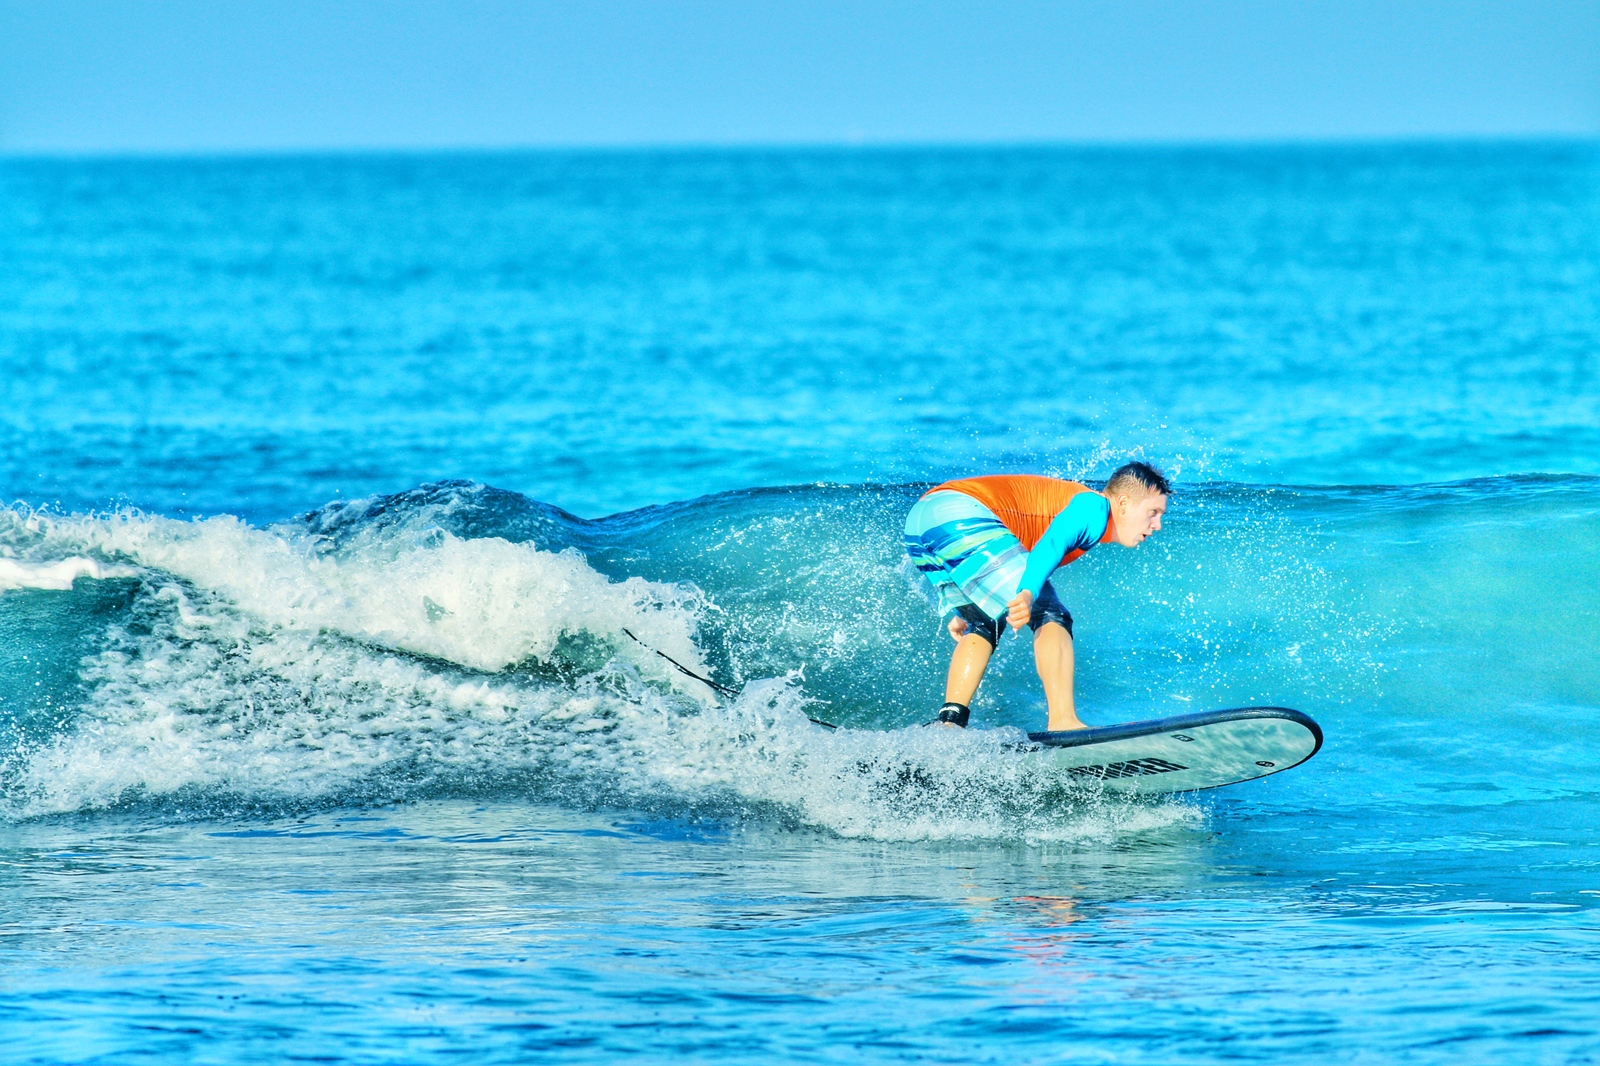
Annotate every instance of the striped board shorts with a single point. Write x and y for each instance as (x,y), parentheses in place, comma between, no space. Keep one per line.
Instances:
(966,553)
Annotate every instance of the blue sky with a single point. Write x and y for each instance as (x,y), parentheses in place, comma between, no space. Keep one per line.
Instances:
(245,75)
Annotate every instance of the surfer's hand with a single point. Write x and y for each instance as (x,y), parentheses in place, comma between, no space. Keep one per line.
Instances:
(958,627)
(1019,610)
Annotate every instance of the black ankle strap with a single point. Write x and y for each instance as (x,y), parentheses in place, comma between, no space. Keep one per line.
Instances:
(955,713)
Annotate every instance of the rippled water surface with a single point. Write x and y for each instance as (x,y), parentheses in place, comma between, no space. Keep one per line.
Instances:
(338,482)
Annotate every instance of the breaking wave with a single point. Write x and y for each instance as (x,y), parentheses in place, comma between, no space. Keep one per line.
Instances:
(458,639)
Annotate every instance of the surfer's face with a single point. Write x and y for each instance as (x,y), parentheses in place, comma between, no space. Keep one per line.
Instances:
(1136,517)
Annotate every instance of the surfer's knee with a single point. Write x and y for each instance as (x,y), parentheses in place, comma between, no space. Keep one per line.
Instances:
(980,624)
(1048,609)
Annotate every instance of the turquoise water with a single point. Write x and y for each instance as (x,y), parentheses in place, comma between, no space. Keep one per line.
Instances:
(338,479)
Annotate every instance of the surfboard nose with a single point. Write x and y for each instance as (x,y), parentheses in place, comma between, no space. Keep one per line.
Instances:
(1185,753)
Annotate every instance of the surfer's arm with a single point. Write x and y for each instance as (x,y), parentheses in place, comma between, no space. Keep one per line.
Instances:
(1078,527)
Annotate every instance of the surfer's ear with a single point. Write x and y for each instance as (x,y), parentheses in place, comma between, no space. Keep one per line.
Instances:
(1134,516)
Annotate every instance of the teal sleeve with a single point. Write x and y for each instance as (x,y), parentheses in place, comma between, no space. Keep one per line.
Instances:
(1079,526)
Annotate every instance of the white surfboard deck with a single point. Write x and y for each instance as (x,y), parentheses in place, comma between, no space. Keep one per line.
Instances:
(1184,753)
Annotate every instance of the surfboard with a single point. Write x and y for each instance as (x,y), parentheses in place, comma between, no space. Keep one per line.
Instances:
(1185,753)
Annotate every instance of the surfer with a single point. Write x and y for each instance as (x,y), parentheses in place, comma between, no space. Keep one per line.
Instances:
(988,545)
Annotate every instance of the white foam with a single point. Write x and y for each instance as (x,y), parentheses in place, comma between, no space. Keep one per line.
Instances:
(58,575)
(486,604)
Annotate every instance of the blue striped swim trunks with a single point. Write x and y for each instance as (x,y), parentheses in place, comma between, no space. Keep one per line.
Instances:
(966,553)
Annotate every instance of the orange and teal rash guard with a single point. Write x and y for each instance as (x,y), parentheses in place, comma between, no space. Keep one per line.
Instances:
(1055,520)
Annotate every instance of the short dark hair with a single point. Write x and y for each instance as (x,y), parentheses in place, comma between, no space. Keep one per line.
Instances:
(1143,474)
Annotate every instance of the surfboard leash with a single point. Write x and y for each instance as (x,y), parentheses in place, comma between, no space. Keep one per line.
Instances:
(724,689)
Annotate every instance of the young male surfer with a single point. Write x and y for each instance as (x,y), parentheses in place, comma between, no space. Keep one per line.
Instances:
(988,545)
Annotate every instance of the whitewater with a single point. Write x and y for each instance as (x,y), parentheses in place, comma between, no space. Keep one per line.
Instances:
(354,503)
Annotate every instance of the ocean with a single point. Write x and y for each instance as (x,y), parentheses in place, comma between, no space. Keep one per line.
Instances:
(349,497)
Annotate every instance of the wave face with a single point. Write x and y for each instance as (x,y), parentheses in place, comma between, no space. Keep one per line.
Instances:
(459,640)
